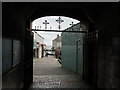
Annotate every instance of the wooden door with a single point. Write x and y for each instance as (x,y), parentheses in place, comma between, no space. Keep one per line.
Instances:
(28,79)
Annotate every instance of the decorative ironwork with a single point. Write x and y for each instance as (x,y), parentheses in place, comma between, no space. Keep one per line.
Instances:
(72,24)
(35,27)
(91,35)
(40,27)
(45,24)
(50,27)
(59,20)
(75,28)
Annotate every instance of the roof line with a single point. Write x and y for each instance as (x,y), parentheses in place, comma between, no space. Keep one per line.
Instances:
(38,34)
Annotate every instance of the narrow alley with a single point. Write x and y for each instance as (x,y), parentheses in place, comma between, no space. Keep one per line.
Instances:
(48,73)
(89,49)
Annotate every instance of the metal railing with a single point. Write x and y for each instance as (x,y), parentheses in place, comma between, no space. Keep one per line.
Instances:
(91,35)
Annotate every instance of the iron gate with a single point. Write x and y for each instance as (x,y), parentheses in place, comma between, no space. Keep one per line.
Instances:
(90,54)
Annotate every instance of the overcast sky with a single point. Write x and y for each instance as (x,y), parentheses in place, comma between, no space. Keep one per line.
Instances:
(49,36)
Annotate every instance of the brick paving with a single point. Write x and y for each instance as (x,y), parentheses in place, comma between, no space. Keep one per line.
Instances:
(48,73)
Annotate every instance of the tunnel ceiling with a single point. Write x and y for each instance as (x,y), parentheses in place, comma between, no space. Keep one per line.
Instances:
(81,11)
(73,10)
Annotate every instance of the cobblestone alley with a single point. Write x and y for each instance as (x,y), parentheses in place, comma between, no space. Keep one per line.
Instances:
(48,73)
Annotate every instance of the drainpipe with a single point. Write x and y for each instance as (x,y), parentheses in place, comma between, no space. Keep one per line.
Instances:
(77,55)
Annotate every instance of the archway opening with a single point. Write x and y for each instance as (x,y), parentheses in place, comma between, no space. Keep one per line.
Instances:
(65,44)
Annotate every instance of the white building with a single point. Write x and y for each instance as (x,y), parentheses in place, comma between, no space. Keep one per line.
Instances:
(56,43)
(38,48)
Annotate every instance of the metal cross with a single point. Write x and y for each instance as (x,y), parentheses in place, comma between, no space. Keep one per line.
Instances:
(45,24)
(59,20)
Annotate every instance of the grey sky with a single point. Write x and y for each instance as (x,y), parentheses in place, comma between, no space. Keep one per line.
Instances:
(49,36)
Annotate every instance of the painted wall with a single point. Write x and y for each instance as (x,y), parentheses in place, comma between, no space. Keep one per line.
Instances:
(70,53)
(38,38)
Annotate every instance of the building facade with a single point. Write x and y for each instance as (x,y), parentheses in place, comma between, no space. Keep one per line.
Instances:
(72,49)
(56,44)
(39,46)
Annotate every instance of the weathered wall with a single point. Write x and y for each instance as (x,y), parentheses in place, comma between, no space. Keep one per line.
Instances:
(13,30)
(109,47)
